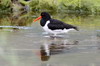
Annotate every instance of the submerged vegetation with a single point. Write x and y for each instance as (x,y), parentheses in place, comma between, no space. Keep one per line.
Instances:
(21,12)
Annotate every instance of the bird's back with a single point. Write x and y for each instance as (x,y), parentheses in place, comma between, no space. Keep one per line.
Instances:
(57,24)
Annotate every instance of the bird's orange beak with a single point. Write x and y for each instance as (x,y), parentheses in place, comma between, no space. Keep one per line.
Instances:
(37,18)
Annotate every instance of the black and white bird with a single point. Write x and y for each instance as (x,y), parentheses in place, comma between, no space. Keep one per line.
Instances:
(54,26)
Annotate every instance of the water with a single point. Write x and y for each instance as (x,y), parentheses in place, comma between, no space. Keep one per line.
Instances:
(31,47)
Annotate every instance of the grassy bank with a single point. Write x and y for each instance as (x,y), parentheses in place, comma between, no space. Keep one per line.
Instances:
(77,7)
(65,7)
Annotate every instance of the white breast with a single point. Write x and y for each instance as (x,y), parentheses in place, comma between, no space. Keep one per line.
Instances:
(46,27)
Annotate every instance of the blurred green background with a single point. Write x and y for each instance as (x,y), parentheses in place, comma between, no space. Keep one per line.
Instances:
(22,12)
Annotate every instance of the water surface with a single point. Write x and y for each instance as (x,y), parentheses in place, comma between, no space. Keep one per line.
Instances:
(77,48)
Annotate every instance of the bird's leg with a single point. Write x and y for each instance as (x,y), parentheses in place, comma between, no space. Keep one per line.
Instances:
(55,35)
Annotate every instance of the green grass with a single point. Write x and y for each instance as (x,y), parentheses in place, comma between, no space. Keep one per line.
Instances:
(61,7)
(80,7)
(5,9)
(77,7)
(42,5)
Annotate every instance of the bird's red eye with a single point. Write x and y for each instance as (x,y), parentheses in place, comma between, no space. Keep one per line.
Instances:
(42,14)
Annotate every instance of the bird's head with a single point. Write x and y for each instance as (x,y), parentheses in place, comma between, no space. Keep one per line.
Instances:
(44,15)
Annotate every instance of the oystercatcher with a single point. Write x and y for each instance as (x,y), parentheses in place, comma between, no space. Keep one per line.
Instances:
(54,26)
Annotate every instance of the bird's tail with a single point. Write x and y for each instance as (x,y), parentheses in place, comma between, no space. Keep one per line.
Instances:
(76,28)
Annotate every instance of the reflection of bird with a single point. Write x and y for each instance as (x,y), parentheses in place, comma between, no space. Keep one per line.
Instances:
(59,48)
(47,50)
(54,26)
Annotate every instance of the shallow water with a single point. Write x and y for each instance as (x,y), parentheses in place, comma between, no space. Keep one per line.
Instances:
(76,48)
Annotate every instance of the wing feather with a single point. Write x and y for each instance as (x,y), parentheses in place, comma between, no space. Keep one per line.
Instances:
(56,24)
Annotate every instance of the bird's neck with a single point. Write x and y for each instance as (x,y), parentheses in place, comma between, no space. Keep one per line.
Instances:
(43,21)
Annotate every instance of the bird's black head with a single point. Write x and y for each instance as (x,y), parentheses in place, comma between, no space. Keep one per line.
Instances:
(45,15)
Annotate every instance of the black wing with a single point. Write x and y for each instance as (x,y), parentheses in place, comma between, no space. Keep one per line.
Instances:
(56,24)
